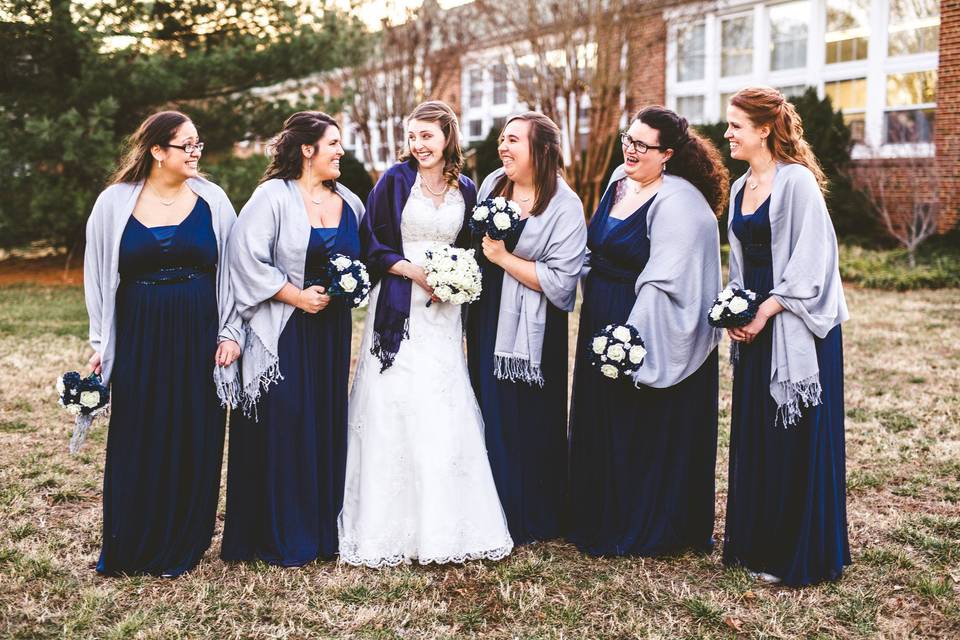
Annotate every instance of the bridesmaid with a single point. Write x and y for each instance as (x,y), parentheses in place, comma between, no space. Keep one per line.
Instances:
(643,455)
(287,453)
(163,327)
(786,506)
(517,330)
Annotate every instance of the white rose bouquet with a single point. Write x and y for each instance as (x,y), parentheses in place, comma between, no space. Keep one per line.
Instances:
(618,351)
(733,308)
(347,278)
(495,217)
(84,399)
(453,273)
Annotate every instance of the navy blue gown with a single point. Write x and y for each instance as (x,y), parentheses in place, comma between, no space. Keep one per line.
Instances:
(525,425)
(165,441)
(286,472)
(642,461)
(786,506)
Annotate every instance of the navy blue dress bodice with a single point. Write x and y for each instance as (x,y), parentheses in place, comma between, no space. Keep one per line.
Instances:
(286,469)
(165,442)
(641,459)
(786,502)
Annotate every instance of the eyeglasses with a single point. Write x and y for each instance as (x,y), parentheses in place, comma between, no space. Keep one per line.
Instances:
(188,148)
(637,145)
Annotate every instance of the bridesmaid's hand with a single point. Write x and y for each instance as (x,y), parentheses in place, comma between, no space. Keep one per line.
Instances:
(95,364)
(313,299)
(749,332)
(227,353)
(494,250)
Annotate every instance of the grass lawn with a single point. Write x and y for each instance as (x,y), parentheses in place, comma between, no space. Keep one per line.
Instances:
(903,471)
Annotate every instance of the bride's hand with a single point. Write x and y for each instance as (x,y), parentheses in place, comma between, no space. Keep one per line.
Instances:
(418,275)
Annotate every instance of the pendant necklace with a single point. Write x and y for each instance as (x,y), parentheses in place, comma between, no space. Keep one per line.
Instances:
(423,181)
(169,202)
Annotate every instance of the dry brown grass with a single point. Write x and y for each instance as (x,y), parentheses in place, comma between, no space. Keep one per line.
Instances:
(903,448)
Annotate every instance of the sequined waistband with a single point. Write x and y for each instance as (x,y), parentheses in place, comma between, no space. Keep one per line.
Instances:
(173,275)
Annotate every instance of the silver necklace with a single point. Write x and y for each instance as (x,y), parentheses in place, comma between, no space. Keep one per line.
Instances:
(639,186)
(423,181)
(165,203)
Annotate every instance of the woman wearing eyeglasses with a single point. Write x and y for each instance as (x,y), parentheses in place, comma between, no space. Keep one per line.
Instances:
(643,451)
(166,337)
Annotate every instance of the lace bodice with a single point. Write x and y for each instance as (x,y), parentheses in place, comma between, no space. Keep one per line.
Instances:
(421,221)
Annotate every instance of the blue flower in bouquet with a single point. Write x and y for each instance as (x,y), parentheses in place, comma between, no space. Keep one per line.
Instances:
(733,308)
(617,351)
(495,217)
(348,278)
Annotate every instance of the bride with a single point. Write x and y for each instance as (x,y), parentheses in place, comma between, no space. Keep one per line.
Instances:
(418,482)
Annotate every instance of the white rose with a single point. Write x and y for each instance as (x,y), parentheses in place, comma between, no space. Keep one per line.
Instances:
(622,334)
(726,294)
(716,312)
(443,292)
(599,344)
(342,262)
(500,202)
(90,399)
(738,305)
(60,386)
(348,283)
(637,354)
(514,207)
(610,371)
(616,353)
(458,298)
(74,409)
(480,213)
(364,276)
(433,280)
(502,221)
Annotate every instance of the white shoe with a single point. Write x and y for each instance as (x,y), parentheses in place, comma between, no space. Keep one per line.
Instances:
(769,578)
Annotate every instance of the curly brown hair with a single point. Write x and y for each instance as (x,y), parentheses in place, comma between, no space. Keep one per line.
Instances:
(302,128)
(440,113)
(694,158)
(767,106)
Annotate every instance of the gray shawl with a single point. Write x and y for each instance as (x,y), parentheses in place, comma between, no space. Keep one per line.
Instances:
(555,241)
(806,281)
(101,274)
(268,248)
(677,285)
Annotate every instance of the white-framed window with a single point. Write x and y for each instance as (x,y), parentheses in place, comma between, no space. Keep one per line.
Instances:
(499,74)
(475,87)
(788,35)
(792,90)
(475,129)
(848,30)
(691,108)
(691,52)
(498,124)
(910,107)
(736,45)
(850,96)
(913,27)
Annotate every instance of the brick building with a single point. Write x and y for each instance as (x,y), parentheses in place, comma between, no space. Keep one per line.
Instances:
(891,66)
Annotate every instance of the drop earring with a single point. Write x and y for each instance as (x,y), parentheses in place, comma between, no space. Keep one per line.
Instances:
(161,163)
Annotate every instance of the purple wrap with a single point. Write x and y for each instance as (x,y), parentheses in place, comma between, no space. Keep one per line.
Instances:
(381,246)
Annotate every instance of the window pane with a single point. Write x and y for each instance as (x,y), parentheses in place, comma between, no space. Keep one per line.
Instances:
(850,97)
(724,103)
(792,90)
(915,125)
(788,35)
(691,108)
(499,73)
(691,53)
(904,89)
(476,128)
(848,30)
(914,26)
(476,87)
(736,46)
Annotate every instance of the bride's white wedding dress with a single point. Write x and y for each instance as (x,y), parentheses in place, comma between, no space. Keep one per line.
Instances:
(418,482)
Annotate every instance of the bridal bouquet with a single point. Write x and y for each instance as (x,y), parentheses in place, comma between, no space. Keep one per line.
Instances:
(733,308)
(348,278)
(83,398)
(453,273)
(496,217)
(618,350)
